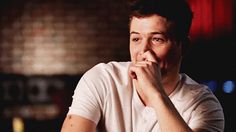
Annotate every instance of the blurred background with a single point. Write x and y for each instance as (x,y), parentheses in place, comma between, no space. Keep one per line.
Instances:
(47,45)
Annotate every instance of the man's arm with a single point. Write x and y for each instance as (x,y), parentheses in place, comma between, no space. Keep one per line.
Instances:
(75,123)
(147,79)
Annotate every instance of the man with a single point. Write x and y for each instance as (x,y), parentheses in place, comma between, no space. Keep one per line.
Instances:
(148,93)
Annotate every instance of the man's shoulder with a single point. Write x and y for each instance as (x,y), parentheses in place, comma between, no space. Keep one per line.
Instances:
(191,94)
(190,89)
(111,69)
(194,87)
(113,64)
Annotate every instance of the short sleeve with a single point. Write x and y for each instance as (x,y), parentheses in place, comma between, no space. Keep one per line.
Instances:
(89,95)
(208,115)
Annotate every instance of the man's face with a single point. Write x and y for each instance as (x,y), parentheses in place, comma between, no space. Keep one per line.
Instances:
(149,40)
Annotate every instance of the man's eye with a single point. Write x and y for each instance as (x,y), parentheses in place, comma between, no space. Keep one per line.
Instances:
(157,40)
(135,39)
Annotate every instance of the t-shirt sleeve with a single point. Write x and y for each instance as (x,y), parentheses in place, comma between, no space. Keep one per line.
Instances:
(89,96)
(208,115)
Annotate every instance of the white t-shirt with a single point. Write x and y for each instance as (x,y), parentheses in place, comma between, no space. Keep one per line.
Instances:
(106,96)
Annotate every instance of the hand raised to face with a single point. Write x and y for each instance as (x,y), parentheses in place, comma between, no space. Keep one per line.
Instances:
(146,76)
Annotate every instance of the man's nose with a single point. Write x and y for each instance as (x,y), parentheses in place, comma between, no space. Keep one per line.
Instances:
(145,46)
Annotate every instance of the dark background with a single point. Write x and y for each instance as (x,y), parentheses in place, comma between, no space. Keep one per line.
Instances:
(46,46)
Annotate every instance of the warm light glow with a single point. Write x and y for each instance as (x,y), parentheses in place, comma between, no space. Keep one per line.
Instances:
(18,124)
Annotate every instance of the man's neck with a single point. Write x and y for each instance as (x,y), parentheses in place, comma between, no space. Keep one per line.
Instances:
(170,83)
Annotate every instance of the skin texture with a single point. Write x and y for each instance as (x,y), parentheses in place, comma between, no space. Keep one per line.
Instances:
(156,59)
(152,49)
(75,123)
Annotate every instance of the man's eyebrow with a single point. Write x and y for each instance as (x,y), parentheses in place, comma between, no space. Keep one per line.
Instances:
(133,32)
(152,33)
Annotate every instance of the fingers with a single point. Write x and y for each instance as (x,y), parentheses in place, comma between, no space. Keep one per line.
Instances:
(147,59)
(143,63)
(132,73)
(134,69)
(140,68)
(149,56)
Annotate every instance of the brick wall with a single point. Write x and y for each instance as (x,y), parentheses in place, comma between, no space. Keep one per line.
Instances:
(61,37)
